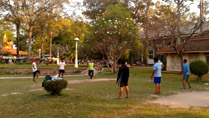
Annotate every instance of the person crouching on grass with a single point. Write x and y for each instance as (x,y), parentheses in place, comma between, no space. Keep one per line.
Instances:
(61,67)
(35,70)
(122,79)
(157,75)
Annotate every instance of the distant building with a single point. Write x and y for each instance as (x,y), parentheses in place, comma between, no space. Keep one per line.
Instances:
(197,48)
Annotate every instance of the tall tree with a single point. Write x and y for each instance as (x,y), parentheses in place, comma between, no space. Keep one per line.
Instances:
(34,9)
(113,33)
(14,14)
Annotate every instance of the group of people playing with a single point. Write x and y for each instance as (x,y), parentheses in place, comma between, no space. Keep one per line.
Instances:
(123,74)
(61,69)
(123,77)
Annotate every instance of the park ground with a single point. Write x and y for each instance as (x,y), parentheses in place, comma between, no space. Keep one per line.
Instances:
(83,98)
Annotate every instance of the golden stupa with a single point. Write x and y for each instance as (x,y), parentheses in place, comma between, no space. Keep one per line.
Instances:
(8,48)
(7,45)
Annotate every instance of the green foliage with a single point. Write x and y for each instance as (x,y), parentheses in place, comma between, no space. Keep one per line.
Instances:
(199,68)
(114,33)
(55,87)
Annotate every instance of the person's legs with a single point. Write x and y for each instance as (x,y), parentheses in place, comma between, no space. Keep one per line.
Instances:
(89,74)
(92,74)
(121,92)
(63,71)
(38,73)
(127,91)
(183,81)
(156,81)
(62,75)
(34,75)
(188,82)
(183,84)
(159,87)
(156,88)
(59,73)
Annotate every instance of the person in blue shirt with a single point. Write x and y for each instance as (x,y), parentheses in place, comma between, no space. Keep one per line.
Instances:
(186,73)
(157,75)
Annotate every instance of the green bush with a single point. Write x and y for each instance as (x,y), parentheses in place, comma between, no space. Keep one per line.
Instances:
(199,68)
(55,87)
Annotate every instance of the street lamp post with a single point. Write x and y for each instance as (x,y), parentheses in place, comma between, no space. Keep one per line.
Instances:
(76,52)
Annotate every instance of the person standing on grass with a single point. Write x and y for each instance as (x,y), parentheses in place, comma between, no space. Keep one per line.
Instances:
(91,69)
(157,75)
(122,79)
(186,73)
(61,67)
(35,70)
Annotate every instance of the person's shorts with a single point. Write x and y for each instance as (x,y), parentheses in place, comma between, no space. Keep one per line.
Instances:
(121,84)
(185,77)
(157,80)
(61,71)
(34,73)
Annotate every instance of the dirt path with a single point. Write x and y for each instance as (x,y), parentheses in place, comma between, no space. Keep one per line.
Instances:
(184,100)
(84,73)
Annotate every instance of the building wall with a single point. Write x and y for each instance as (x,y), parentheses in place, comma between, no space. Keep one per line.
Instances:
(174,62)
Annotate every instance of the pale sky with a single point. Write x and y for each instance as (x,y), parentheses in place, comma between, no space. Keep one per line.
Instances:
(76,6)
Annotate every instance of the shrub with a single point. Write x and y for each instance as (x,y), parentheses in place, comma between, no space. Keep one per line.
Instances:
(199,68)
(55,87)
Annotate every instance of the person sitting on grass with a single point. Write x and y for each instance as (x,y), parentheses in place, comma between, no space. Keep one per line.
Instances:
(186,73)
(35,70)
(122,79)
(157,75)
(61,67)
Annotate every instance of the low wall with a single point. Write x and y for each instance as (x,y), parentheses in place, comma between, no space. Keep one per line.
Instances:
(43,71)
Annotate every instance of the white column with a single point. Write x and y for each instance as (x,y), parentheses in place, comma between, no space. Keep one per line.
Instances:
(76,54)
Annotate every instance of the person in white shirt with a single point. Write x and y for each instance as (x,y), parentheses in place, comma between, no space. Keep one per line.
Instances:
(61,67)
(35,70)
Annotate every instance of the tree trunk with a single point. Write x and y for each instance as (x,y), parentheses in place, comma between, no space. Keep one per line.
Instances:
(18,38)
(181,58)
(131,60)
(146,32)
(178,20)
(201,15)
(50,45)
(199,78)
(30,42)
(42,46)
(114,66)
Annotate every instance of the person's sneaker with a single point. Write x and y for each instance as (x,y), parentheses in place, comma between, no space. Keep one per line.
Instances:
(34,80)
(37,77)
(190,87)
(183,89)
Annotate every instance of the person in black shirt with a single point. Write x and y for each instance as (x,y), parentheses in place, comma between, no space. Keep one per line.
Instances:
(122,79)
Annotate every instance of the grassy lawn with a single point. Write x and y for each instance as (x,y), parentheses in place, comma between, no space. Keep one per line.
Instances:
(21,98)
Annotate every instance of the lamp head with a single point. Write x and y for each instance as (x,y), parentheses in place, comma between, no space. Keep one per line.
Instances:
(76,39)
